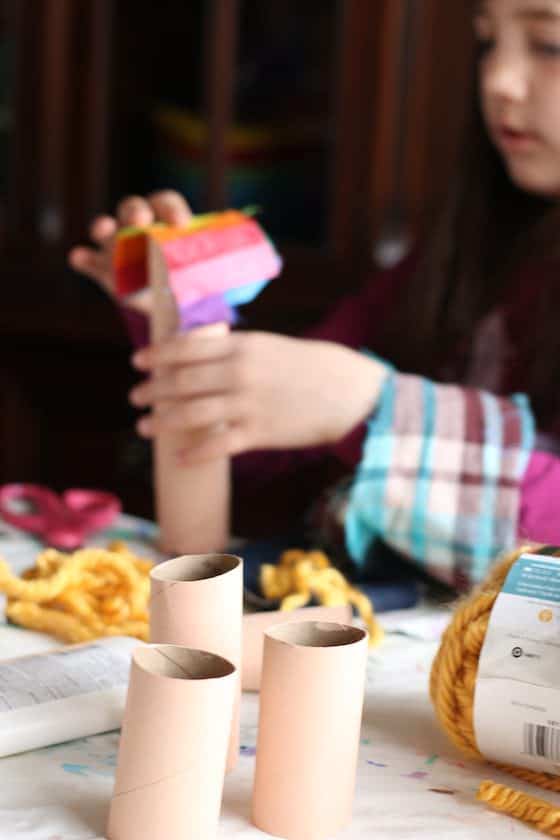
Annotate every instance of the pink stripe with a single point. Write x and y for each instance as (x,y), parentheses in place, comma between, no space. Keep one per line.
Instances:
(191,283)
(212,242)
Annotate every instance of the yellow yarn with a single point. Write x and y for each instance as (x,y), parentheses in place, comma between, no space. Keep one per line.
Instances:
(452,684)
(76,597)
(301,575)
(529,809)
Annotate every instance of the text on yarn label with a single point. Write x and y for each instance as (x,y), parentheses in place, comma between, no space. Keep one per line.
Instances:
(516,711)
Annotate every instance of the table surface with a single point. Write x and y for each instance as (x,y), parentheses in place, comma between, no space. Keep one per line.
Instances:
(411,782)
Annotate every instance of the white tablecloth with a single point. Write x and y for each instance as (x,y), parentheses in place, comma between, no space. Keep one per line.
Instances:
(411,782)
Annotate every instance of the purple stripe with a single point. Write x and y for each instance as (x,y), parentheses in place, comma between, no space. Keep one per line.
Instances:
(209,310)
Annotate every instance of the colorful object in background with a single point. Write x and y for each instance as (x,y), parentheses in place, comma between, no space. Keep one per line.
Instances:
(215,263)
(61,521)
(279,164)
(76,597)
(301,576)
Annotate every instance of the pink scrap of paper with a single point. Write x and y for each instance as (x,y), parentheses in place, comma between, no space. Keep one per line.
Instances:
(209,243)
(193,282)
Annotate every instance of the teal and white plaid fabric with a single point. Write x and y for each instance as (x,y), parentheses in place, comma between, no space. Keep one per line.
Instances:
(439,477)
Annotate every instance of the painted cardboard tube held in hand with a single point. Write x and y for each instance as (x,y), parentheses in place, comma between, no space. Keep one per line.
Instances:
(173,747)
(312,692)
(192,503)
(197,273)
(197,601)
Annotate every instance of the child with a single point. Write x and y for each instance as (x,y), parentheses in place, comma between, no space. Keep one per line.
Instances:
(450,464)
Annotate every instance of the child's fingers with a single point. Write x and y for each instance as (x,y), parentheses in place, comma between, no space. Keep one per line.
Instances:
(206,413)
(134,211)
(169,206)
(103,229)
(198,345)
(212,377)
(93,263)
(164,206)
(142,301)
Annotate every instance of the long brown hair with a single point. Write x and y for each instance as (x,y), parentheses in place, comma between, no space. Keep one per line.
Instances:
(487,229)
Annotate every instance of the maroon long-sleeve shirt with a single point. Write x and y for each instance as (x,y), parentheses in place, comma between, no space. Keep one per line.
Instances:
(274,489)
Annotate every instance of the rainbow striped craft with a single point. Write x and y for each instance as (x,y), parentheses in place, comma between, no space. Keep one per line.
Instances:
(215,263)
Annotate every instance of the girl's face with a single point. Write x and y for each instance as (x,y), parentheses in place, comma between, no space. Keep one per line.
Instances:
(520,88)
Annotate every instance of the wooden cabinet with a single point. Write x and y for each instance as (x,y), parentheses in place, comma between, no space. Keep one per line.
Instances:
(339,118)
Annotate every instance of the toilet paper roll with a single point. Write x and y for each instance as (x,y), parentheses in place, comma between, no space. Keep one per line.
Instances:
(312,693)
(197,601)
(174,745)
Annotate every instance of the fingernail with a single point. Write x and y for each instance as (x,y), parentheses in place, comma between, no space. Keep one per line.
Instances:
(76,256)
(145,426)
(139,359)
(135,397)
(211,330)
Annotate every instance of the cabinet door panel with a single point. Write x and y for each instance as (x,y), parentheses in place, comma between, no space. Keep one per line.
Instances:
(424,77)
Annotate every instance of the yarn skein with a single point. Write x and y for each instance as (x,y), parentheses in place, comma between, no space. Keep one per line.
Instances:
(452,685)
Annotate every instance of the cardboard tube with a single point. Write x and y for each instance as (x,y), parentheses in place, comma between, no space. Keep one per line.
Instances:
(197,601)
(173,747)
(192,503)
(312,694)
(256,624)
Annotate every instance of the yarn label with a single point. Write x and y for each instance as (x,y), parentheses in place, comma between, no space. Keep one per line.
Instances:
(42,678)
(516,713)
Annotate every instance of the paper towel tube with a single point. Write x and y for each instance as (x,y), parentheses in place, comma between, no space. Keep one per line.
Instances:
(312,692)
(256,624)
(192,502)
(197,601)
(174,744)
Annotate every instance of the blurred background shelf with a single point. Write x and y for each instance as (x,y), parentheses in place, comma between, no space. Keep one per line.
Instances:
(340,119)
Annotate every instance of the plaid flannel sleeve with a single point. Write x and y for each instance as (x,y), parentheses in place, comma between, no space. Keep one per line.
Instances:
(440,477)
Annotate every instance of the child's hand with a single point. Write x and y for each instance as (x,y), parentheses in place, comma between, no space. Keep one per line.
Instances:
(233,392)
(165,206)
